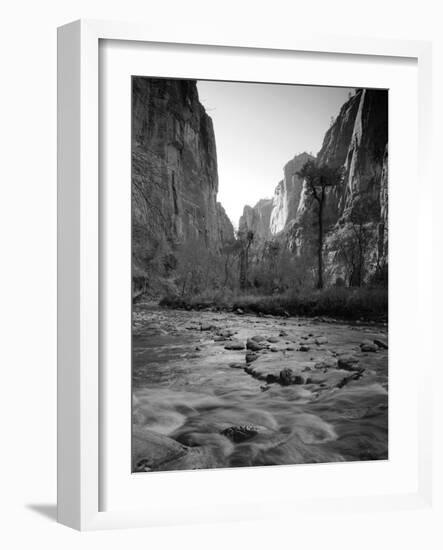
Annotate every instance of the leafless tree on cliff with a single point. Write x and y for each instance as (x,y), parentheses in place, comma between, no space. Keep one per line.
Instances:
(319,178)
(246,240)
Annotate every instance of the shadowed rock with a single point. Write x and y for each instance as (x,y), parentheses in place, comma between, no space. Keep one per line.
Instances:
(254,345)
(381,344)
(234,345)
(369,347)
(348,362)
(238,434)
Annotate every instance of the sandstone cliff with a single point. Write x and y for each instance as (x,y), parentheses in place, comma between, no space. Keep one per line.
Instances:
(257,219)
(287,194)
(174,177)
(356,142)
(269,217)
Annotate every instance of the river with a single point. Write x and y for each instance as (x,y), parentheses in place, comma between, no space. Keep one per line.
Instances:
(197,404)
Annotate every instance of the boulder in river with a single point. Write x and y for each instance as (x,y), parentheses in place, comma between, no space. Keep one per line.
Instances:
(150,450)
(234,345)
(348,362)
(273,340)
(288,377)
(226,333)
(239,434)
(253,345)
(380,343)
(250,357)
(369,347)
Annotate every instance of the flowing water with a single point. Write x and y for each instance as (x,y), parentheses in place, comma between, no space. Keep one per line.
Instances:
(194,405)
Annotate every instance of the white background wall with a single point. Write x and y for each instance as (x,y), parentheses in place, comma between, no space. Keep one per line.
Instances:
(28,267)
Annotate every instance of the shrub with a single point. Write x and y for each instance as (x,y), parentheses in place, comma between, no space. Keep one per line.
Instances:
(339,302)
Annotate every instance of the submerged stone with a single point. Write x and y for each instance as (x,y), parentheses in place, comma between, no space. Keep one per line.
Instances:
(238,434)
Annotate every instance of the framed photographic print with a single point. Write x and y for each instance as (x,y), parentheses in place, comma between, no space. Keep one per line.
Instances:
(238,228)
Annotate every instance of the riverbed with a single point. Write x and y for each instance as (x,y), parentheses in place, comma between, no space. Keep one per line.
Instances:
(216,390)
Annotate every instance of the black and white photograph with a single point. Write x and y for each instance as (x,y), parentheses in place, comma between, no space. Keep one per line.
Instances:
(259,274)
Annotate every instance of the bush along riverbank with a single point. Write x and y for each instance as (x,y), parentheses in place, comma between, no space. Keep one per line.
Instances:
(364,304)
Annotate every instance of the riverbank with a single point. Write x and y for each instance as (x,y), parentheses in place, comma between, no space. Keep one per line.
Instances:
(364,304)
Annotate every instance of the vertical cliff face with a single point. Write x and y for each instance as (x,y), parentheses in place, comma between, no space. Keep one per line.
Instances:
(287,194)
(270,217)
(360,205)
(174,175)
(257,219)
(357,143)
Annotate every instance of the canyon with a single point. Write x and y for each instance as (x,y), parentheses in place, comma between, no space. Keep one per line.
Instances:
(237,359)
(178,224)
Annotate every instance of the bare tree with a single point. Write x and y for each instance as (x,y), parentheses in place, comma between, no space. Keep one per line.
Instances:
(359,219)
(319,178)
(246,239)
(353,240)
(229,253)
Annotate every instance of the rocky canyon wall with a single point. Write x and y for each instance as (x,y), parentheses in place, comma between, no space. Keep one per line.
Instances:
(357,143)
(174,178)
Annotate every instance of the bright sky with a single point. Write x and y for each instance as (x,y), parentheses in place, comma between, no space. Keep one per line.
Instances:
(258,128)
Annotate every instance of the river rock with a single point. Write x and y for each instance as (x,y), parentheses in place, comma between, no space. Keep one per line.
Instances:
(250,357)
(252,345)
(236,365)
(288,377)
(227,333)
(348,362)
(239,434)
(381,344)
(257,338)
(234,345)
(326,364)
(321,340)
(303,347)
(369,347)
(151,450)
(273,340)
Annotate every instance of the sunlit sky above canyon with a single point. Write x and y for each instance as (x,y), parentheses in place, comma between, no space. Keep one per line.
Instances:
(259,128)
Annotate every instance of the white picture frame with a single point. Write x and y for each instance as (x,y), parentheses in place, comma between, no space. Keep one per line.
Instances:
(79,294)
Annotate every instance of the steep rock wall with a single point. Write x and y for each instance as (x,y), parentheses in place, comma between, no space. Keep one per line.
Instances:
(287,194)
(174,176)
(257,219)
